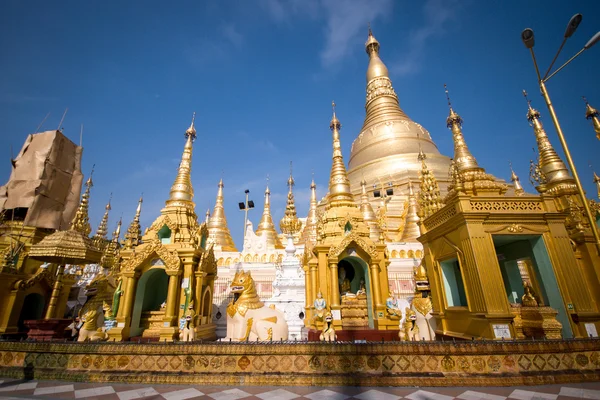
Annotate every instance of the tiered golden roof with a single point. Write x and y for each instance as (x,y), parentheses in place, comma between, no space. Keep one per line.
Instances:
(309,233)
(266,227)
(558,180)
(133,236)
(592,114)
(411,228)
(111,251)
(518,188)
(182,193)
(368,213)
(218,232)
(290,224)
(100,236)
(339,185)
(388,142)
(429,199)
(74,245)
(473,178)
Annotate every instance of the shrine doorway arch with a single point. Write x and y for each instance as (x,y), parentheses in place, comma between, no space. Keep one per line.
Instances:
(357,270)
(151,293)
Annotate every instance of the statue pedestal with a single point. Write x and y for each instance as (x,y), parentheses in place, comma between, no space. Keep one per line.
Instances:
(536,322)
(48,329)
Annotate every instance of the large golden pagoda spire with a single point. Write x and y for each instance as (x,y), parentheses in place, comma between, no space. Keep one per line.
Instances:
(81,221)
(553,168)
(592,114)
(468,176)
(429,199)
(411,228)
(339,185)
(133,236)
(519,191)
(218,232)
(182,193)
(266,227)
(309,233)
(102,230)
(368,213)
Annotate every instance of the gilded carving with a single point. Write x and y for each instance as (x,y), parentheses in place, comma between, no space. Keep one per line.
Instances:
(170,258)
(370,249)
(515,228)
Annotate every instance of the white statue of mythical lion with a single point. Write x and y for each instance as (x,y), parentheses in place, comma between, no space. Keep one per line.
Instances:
(89,330)
(248,318)
(328,333)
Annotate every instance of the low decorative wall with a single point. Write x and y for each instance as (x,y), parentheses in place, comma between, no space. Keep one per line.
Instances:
(475,363)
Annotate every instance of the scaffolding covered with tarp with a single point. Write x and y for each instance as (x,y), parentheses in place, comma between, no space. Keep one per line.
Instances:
(45,180)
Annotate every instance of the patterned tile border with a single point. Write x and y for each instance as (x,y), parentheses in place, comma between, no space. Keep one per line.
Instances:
(372,364)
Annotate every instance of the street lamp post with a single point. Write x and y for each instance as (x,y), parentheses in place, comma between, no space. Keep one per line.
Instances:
(246,206)
(528,39)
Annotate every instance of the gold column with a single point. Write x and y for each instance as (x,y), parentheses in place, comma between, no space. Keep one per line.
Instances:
(376,284)
(335,290)
(313,280)
(309,288)
(129,293)
(55,293)
(172,296)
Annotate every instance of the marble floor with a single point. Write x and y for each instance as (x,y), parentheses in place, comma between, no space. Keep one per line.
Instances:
(15,389)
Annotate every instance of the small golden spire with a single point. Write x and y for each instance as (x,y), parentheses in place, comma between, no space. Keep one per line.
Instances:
(411,227)
(309,233)
(429,199)
(592,114)
(550,164)
(182,192)
(117,232)
(81,221)
(290,224)
(420,272)
(218,232)
(597,182)
(133,236)
(462,156)
(339,184)
(207,216)
(519,191)
(266,227)
(368,213)
(102,230)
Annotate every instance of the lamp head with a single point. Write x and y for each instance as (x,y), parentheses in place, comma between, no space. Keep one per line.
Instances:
(595,39)
(528,38)
(573,24)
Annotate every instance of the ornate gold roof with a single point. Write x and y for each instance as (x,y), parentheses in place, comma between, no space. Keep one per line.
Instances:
(388,142)
(290,224)
(218,232)
(309,233)
(339,185)
(429,199)
(411,228)
(592,114)
(182,193)
(133,236)
(81,221)
(100,236)
(266,227)
(558,178)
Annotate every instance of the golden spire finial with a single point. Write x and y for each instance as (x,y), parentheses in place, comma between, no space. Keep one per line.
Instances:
(453,117)
(133,236)
(218,232)
(372,45)
(117,232)
(519,191)
(266,227)
(207,216)
(429,199)
(592,114)
(339,184)
(102,230)
(182,192)
(462,156)
(550,164)
(411,227)
(81,221)
(290,224)
(309,233)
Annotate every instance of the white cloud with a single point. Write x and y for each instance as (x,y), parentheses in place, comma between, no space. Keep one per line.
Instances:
(436,15)
(232,35)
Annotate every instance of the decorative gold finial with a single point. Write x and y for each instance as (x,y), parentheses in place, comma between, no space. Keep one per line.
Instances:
(339,184)
(462,155)
(453,118)
(117,232)
(429,199)
(207,216)
(596,181)
(372,45)
(290,224)
(411,229)
(81,221)
(519,191)
(550,168)
(309,233)
(102,230)
(133,236)
(218,231)
(182,192)
(592,114)
(335,123)
(266,227)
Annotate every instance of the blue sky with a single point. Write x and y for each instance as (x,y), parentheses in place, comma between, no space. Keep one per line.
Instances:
(261,76)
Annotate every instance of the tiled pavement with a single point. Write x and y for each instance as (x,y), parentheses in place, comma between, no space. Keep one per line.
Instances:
(14,389)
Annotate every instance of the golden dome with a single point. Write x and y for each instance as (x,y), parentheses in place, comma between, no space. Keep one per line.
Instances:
(389,140)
